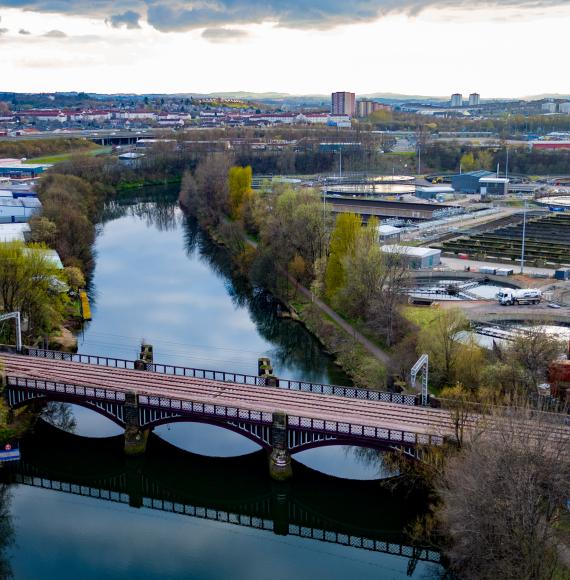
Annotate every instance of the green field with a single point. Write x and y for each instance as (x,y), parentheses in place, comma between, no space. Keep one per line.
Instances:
(59,157)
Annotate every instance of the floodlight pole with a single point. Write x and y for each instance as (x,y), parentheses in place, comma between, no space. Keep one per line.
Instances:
(421,366)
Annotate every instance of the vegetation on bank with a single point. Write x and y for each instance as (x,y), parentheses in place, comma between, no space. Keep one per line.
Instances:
(296,238)
(300,243)
(31,284)
(71,206)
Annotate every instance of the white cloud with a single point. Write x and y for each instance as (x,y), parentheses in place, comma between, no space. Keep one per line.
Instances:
(435,53)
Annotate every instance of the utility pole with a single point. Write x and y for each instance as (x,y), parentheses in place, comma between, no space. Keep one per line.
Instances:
(523,238)
(16,316)
(419,158)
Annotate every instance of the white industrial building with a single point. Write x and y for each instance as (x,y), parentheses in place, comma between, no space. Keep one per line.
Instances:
(494,186)
(418,258)
(14,232)
(388,233)
(18,210)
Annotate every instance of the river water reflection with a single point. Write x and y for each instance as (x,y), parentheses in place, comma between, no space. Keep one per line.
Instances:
(159,278)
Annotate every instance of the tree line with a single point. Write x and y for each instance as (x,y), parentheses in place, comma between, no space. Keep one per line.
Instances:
(451,156)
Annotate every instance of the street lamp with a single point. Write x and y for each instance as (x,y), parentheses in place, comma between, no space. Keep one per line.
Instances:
(523,237)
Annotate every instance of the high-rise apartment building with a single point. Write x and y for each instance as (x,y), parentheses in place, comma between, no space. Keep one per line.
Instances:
(343,103)
(365,107)
(457,100)
(474,99)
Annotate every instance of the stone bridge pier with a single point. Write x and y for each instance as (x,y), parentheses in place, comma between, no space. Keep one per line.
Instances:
(135,436)
(279,459)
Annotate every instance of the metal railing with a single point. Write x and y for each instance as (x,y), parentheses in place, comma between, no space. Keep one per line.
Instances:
(363,431)
(67,389)
(231,377)
(205,409)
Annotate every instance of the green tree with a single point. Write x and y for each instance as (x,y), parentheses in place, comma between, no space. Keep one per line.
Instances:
(43,230)
(294,223)
(239,186)
(467,162)
(31,284)
(485,159)
(343,239)
(75,278)
(441,340)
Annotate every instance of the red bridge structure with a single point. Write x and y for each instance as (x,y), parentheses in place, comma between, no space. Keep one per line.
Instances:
(282,416)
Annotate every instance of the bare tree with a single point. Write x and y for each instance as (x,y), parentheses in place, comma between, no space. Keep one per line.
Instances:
(503,496)
(534,351)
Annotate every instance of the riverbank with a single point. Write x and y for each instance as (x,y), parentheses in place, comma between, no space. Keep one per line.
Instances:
(363,361)
(130,185)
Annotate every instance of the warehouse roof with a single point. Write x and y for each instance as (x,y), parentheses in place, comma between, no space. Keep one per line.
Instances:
(479,173)
(414,251)
(13,232)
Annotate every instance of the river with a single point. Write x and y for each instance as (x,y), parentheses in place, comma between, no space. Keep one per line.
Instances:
(200,503)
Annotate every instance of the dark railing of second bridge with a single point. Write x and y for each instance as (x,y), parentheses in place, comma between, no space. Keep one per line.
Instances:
(227,376)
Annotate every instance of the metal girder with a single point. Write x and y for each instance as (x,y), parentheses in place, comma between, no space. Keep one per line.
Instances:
(16,316)
(421,366)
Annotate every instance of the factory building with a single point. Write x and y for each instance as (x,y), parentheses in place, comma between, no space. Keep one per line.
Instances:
(18,210)
(418,258)
(493,186)
(483,182)
(15,169)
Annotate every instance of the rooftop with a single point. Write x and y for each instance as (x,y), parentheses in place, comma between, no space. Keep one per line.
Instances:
(494,180)
(479,173)
(416,252)
(13,232)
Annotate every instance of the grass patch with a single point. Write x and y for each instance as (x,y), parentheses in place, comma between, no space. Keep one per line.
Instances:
(58,158)
(421,316)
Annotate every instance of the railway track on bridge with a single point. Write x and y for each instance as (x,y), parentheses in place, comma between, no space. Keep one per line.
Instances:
(252,398)
(255,398)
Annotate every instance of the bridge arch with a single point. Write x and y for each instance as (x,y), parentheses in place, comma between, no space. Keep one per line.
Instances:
(111,411)
(259,434)
(331,441)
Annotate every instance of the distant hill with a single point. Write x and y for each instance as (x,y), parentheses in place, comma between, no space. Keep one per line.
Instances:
(546,96)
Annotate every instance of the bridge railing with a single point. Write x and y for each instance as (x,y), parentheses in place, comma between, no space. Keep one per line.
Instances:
(225,376)
(364,432)
(66,389)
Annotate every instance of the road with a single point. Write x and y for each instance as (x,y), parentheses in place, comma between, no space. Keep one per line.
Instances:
(487,311)
(459,264)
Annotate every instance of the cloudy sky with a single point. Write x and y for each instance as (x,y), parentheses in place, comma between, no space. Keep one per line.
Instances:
(496,47)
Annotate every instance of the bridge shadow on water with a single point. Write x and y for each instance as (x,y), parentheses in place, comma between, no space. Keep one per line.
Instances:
(231,490)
